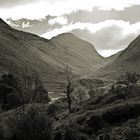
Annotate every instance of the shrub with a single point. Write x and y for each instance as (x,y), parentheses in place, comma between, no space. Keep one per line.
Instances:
(121,113)
(18,90)
(31,89)
(95,122)
(8,86)
(42,95)
(30,125)
(125,84)
(91,82)
(73,133)
(119,90)
(132,131)
(80,95)
(51,111)
(58,135)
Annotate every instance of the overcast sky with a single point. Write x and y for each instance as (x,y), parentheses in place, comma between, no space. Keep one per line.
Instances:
(110,25)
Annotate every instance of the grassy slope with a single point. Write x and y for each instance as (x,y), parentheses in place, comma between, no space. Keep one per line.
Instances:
(47,57)
(79,54)
(126,61)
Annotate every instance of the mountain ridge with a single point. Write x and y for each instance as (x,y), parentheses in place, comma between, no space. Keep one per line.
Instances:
(47,57)
(127,61)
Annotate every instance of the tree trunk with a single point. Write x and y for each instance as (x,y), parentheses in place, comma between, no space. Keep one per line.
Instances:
(69,103)
(3,101)
(124,97)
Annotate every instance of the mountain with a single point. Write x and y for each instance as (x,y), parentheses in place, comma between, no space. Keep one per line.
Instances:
(126,61)
(20,49)
(49,58)
(78,54)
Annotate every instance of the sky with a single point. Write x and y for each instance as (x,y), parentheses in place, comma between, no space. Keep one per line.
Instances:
(109,25)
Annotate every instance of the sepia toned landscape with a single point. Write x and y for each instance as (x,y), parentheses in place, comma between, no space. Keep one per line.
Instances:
(73,74)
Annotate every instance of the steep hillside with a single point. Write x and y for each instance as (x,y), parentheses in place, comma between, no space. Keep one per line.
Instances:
(49,58)
(78,54)
(127,61)
(18,50)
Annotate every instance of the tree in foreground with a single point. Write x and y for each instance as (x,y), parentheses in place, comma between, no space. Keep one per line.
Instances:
(68,88)
(125,84)
(31,88)
(8,85)
(16,90)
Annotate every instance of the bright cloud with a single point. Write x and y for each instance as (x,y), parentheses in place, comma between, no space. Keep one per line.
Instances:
(41,8)
(107,34)
(12,24)
(60,20)
(126,27)
(107,53)
(26,25)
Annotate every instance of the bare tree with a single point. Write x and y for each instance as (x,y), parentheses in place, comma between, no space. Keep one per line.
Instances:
(69,87)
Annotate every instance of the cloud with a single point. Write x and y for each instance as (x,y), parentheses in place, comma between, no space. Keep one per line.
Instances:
(13,3)
(125,27)
(38,27)
(40,8)
(110,25)
(97,15)
(66,28)
(105,42)
(26,25)
(107,53)
(58,20)
(13,24)
(94,16)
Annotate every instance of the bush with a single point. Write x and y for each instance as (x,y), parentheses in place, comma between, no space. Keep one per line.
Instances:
(91,82)
(8,95)
(125,84)
(52,110)
(42,95)
(73,133)
(95,122)
(119,90)
(80,95)
(30,125)
(16,91)
(121,113)
(58,135)
(132,131)
(1,134)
